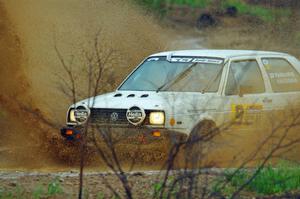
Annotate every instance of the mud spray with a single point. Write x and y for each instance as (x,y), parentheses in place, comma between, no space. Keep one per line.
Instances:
(32,108)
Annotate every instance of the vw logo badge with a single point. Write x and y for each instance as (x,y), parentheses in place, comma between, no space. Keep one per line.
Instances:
(114,116)
(135,115)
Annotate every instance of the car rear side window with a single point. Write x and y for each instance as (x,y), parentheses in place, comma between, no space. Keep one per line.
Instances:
(244,77)
(283,76)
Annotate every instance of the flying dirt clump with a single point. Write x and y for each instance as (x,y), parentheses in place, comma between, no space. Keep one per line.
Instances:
(34,27)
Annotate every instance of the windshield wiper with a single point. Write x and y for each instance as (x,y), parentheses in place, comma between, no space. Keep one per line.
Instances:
(178,77)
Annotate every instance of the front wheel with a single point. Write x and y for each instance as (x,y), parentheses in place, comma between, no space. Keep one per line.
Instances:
(199,142)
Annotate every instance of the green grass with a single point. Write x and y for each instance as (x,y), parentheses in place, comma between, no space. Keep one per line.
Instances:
(270,180)
(159,4)
(100,195)
(266,14)
(38,192)
(16,193)
(53,189)
(192,3)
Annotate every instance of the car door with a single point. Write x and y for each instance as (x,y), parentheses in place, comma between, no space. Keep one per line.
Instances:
(246,94)
(284,79)
(245,101)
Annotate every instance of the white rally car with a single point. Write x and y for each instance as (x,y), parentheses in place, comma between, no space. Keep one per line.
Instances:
(179,91)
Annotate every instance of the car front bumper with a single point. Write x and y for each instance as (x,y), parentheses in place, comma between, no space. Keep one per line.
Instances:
(75,132)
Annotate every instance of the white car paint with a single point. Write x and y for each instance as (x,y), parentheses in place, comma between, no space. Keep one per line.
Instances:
(190,108)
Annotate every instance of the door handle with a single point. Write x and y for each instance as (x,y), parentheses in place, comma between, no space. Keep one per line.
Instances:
(267,100)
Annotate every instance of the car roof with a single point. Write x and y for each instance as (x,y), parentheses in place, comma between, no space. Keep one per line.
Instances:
(218,53)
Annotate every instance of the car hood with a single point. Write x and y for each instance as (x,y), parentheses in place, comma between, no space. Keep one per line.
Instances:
(173,101)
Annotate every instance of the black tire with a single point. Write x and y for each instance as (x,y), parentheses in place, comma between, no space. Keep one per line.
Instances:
(198,142)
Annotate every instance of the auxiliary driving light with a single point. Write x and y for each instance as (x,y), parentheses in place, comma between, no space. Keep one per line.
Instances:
(79,115)
(70,133)
(157,118)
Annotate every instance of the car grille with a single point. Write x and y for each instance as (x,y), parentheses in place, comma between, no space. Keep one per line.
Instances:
(104,116)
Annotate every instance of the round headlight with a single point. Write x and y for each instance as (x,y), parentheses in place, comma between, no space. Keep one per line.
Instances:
(81,114)
(157,118)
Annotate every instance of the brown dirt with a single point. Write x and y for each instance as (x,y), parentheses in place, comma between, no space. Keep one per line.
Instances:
(42,24)
(248,33)
(32,108)
(19,141)
(251,34)
(30,31)
(95,184)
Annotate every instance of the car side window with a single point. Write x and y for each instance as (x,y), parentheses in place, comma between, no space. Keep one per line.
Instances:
(282,75)
(244,77)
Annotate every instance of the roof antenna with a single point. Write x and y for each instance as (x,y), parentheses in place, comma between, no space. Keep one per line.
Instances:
(169,57)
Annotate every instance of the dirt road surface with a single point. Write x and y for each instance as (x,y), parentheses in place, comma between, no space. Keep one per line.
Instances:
(96,184)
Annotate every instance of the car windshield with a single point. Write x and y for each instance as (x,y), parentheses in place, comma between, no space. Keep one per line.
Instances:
(183,74)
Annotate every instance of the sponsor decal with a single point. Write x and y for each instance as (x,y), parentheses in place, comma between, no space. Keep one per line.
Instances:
(135,115)
(284,78)
(188,60)
(81,115)
(246,114)
(153,59)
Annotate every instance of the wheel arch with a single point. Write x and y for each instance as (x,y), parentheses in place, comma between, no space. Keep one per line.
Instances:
(203,120)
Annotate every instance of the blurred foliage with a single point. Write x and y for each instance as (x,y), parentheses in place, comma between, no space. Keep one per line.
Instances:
(54,189)
(38,192)
(264,13)
(16,193)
